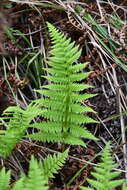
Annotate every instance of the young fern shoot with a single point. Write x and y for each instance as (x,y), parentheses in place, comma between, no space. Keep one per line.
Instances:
(63,111)
(104,174)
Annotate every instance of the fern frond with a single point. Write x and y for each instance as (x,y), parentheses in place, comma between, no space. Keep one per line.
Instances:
(38,174)
(14,132)
(36,178)
(82,131)
(104,174)
(61,100)
(70,139)
(57,95)
(4,179)
(19,120)
(73,77)
(80,97)
(52,164)
(62,87)
(19,184)
(52,127)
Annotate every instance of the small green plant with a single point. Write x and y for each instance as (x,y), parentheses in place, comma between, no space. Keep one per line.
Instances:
(38,175)
(16,121)
(104,174)
(62,108)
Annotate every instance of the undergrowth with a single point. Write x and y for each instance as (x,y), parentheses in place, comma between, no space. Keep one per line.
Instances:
(61,106)
(60,115)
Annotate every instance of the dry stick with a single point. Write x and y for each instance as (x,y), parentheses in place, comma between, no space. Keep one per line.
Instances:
(102,122)
(121,94)
(44,4)
(100,10)
(122,126)
(80,170)
(123,136)
(107,75)
(74,158)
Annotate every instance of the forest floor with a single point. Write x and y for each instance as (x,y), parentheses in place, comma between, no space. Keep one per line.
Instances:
(24,46)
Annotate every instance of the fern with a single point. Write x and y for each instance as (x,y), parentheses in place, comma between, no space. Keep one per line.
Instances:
(38,174)
(4,179)
(36,177)
(104,176)
(19,120)
(19,185)
(52,164)
(62,108)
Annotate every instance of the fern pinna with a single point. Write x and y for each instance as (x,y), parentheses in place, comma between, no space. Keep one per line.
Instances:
(104,174)
(62,109)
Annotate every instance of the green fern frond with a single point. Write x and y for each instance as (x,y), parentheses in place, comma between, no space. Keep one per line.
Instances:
(19,120)
(19,184)
(38,173)
(73,77)
(70,139)
(36,178)
(55,95)
(104,174)
(63,87)
(14,132)
(52,164)
(78,67)
(4,179)
(49,127)
(61,100)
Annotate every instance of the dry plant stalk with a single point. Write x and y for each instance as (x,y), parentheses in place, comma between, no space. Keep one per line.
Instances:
(3,25)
